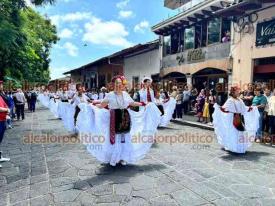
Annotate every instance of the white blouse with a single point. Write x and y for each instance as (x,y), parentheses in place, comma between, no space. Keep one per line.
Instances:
(116,101)
(80,99)
(235,106)
(64,95)
(159,101)
(94,96)
(143,95)
(101,95)
(271,106)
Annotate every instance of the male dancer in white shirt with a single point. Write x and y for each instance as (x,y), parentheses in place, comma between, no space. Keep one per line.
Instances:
(146,93)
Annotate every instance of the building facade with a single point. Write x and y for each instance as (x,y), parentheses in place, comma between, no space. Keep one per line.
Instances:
(195,45)
(98,73)
(253,42)
(59,83)
(142,62)
(219,43)
(133,62)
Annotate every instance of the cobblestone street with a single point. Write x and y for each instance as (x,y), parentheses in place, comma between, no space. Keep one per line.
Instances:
(178,174)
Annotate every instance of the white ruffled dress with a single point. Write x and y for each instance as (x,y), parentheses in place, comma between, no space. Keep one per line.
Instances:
(53,105)
(66,112)
(228,136)
(94,127)
(44,99)
(169,108)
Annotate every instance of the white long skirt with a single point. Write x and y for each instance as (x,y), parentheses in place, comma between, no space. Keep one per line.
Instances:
(94,127)
(53,106)
(169,108)
(61,109)
(44,100)
(85,119)
(228,136)
(68,111)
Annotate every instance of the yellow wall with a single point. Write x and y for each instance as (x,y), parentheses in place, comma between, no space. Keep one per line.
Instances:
(243,51)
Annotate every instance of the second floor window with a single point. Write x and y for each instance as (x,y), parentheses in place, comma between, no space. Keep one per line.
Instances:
(166,45)
(214,31)
(175,39)
(189,38)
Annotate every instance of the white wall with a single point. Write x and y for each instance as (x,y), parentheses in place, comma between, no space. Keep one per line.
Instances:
(142,65)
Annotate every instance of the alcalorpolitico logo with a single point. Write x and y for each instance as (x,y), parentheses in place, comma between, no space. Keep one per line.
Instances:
(90,138)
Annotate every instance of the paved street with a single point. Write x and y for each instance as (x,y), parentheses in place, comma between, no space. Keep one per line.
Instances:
(178,174)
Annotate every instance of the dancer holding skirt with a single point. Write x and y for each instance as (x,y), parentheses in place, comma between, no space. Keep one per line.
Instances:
(235,124)
(120,135)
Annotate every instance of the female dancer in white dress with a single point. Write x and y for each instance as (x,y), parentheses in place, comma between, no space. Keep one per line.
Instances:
(235,124)
(126,136)
(167,106)
(53,105)
(77,99)
(64,97)
(44,98)
(147,95)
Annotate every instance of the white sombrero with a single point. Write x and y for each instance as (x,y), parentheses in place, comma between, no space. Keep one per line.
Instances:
(147,78)
(103,88)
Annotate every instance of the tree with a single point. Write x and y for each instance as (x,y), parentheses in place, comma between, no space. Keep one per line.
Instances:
(41,34)
(42,2)
(26,39)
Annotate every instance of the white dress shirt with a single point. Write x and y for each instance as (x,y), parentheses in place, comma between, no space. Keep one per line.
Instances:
(143,95)
(20,97)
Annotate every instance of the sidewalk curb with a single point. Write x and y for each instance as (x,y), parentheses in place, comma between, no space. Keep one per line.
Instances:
(193,124)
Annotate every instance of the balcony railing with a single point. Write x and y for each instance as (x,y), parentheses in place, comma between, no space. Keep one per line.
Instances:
(214,51)
(189,4)
(181,4)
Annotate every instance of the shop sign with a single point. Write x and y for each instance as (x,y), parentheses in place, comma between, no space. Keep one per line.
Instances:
(195,55)
(265,33)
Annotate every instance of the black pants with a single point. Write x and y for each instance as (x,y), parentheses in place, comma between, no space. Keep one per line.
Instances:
(178,110)
(211,111)
(161,109)
(185,107)
(266,123)
(2,130)
(32,105)
(272,124)
(20,111)
(77,110)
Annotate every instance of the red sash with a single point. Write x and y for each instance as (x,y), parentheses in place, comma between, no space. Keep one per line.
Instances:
(149,99)
(112,127)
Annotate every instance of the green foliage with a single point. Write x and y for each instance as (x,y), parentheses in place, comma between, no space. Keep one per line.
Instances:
(26,38)
(42,2)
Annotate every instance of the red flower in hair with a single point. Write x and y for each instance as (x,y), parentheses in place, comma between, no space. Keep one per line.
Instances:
(122,78)
(234,88)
